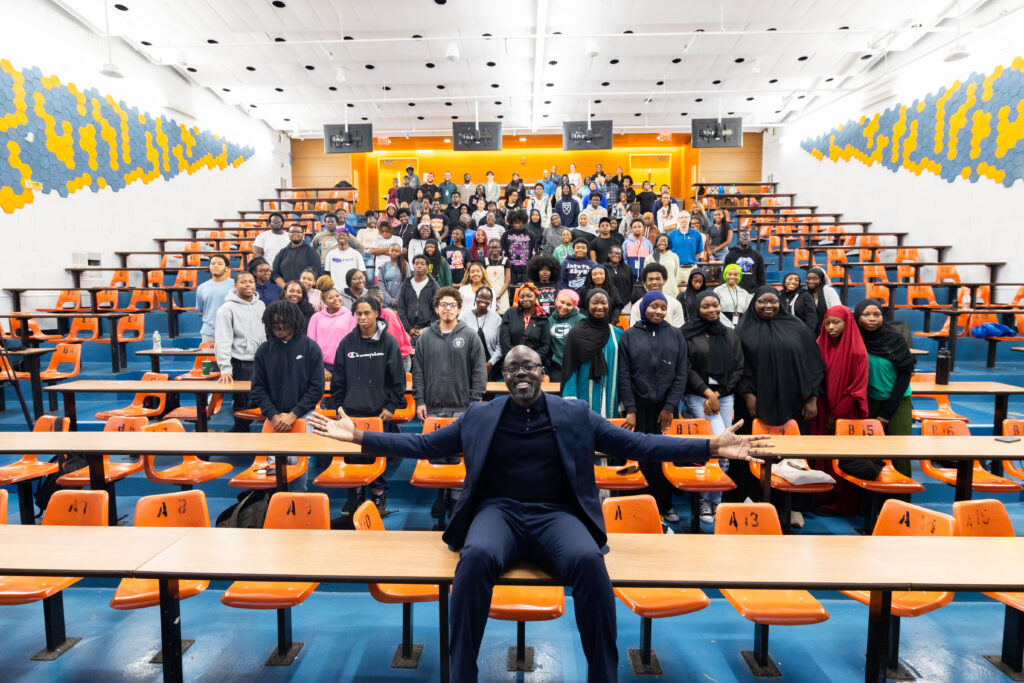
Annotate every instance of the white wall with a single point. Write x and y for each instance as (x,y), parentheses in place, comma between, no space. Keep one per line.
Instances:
(40,238)
(982,220)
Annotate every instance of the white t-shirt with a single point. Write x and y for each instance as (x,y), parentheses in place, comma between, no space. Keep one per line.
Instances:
(383,243)
(271,244)
(340,262)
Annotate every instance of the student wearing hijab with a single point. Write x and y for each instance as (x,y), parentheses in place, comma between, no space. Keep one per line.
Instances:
(890,367)
(822,293)
(543,271)
(562,319)
(715,356)
(620,275)
(535,226)
(599,277)
(437,266)
(590,358)
(652,379)
(526,323)
(695,285)
(782,367)
(798,302)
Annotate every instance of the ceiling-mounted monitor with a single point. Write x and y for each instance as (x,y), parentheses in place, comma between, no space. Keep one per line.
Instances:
(476,137)
(577,135)
(727,132)
(341,139)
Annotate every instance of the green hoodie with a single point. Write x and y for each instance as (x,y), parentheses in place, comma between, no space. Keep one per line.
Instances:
(560,330)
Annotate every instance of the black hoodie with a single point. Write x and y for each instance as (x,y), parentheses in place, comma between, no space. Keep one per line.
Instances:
(288,376)
(368,374)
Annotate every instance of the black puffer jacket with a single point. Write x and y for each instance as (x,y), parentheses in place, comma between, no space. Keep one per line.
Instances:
(653,367)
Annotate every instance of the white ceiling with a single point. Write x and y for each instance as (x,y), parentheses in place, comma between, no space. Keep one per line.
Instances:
(804,49)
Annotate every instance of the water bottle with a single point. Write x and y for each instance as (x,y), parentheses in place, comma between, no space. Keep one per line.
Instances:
(156,341)
(942,359)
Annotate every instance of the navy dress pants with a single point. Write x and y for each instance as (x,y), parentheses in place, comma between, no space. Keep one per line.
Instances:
(504,531)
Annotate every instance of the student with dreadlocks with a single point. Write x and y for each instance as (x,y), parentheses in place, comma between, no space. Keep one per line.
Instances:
(288,370)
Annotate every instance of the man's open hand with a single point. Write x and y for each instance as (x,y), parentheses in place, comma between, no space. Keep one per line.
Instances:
(342,429)
(733,447)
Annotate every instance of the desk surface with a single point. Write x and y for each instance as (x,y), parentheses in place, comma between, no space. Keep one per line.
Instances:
(966,388)
(911,447)
(80,551)
(208,386)
(173,443)
(27,352)
(84,313)
(175,352)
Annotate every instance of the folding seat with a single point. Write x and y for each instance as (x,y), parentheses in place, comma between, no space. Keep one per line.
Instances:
(23,472)
(982,480)
(138,407)
(443,477)
(259,476)
(191,471)
(706,478)
(778,483)
(608,477)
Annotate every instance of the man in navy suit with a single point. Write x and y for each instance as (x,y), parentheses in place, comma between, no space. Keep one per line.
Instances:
(530,494)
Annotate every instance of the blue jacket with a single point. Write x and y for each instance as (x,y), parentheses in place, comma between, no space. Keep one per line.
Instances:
(579,432)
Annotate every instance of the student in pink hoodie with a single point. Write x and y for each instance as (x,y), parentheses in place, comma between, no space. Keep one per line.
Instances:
(328,326)
(395,328)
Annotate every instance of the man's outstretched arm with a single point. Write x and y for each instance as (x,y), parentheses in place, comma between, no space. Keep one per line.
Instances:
(441,443)
(622,443)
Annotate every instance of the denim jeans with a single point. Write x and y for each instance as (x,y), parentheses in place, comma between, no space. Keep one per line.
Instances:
(719,423)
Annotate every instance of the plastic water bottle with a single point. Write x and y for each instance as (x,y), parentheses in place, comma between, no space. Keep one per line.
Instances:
(156,341)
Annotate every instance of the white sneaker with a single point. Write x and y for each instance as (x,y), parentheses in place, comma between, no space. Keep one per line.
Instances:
(671,515)
(707,512)
(796,519)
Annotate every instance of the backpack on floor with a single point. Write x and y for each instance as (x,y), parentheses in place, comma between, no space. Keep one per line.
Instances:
(48,485)
(248,513)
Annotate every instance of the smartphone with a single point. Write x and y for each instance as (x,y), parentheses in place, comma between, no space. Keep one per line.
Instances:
(1008,439)
(629,469)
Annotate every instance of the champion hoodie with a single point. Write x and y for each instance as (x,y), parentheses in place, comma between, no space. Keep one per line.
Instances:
(368,373)
(239,330)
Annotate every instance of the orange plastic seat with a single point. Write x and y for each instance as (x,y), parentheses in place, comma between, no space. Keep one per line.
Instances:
(120,278)
(138,405)
(34,332)
(989,518)
(982,480)
(367,518)
(106,299)
(285,511)
(608,477)
(778,483)
(943,411)
(639,515)
(85,329)
(409,411)
(889,480)
(1013,428)
(68,301)
(251,414)
(131,328)
(522,604)
(66,508)
(28,468)
(190,413)
(197,366)
(190,472)
(764,607)
(444,477)
(342,475)
(946,272)
(184,509)
(706,478)
(188,279)
(258,475)
(141,301)
(65,363)
(942,335)
(3,506)
(920,296)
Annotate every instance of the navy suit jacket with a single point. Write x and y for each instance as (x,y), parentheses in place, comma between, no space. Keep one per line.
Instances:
(579,433)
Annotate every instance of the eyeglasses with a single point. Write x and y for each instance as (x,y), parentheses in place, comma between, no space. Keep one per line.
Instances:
(513,368)
(448,304)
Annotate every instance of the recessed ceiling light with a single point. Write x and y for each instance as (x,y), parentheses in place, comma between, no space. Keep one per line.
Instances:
(310,67)
(605,84)
(485,35)
(550,85)
(637,114)
(146,43)
(412,104)
(279,89)
(866,57)
(802,58)
(699,99)
(491,64)
(500,116)
(416,36)
(350,105)
(278,3)
(440,2)
(716,82)
(364,118)
(773,29)
(250,68)
(660,83)
(522,139)
(429,65)
(440,87)
(778,111)
(494,85)
(387,88)
(750,99)
(497,102)
(211,41)
(544,116)
(191,69)
(593,115)
(253,106)
(597,101)
(552,62)
(287,119)
(226,89)
(347,38)
(730,113)
(547,101)
(121,7)
(684,113)
(613,61)
(829,79)
(773,80)
(739,60)
(447,104)
(371,67)
(800,97)
(628,31)
(332,88)
(699,30)
(677,60)
(419,118)
(844,28)
(455,117)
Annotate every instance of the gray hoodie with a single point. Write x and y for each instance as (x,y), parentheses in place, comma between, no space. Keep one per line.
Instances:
(239,330)
(448,374)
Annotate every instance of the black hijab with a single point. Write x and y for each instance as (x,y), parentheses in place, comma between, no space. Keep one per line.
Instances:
(820,304)
(435,260)
(586,341)
(720,356)
(885,342)
(782,364)
(688,298)
(800,303)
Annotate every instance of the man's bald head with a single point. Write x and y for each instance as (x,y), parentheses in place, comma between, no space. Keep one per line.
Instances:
(524,372)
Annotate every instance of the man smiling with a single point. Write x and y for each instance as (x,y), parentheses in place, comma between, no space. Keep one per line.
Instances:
(530,494)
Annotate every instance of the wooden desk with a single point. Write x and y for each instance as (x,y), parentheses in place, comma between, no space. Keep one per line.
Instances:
(31,356)
(155,356)
(773,184)
(116,350)
(1001,393)
(94,445)
(76,271)
(123,255)
(1017,348)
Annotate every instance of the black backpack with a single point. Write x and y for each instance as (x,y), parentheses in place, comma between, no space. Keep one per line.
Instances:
(248,513)
(48,485)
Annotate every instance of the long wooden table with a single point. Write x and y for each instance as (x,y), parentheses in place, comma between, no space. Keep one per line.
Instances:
(875,563)
(31,357)
(155,355)
(112,321)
